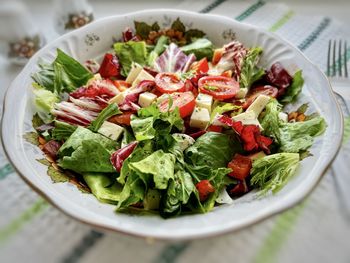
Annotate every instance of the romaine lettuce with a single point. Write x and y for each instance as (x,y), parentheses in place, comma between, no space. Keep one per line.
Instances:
(129,52)
(294,89)
(44,101)
(111,110)
(250,72)
(201,48)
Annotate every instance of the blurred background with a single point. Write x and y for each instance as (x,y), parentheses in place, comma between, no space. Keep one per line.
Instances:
(31,230)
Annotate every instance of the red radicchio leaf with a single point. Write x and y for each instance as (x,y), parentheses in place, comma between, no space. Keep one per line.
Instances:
(197,134)
(110,66)
(127,34)
(239,189)
(278,76)
(51,148)
(119,156)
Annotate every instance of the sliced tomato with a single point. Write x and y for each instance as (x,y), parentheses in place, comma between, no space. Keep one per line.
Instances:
(205,188)
(217,55)
(215,128)
(184,101)
(200,66)
(240,166)
(221,88)
(122,119)
(169,83)
(121,84)
(255,92)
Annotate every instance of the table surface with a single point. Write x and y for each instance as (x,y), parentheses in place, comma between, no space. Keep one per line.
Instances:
(315,231)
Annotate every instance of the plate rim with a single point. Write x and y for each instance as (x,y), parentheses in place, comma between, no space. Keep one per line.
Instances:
(67,210)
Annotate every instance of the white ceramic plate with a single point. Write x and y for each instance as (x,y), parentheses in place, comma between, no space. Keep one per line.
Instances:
(93,41)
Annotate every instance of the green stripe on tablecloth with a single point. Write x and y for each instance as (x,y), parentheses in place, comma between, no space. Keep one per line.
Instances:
(171,253)
(18,223)
(315,34)
(250,10)
(282,21)
(5,171)
(84,245)
(279,234)
(346,136)
(213,5)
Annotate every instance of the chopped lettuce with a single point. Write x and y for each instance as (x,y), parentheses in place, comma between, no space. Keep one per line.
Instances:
(129,52)
(292,137)
(156,169)
(201,48)
(174,60)
(222,107)
(44,102)
(62,130)
(111,110)
(103,187)
(151,122)
(90,156)
(158,49)
(85,151)
(299,136)
(213,150)
(250,72)
(272,172)
(294,89)
(65,74)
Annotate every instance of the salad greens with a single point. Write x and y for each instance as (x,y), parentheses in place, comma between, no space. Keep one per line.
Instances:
(142,138)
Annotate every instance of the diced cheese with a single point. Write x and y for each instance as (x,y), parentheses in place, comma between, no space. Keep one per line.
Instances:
(283,116)
(146,99)
(134,72)
(200,118)
(204,101)
(119,98)
(184,140)
(259,104)
(241,93)
(111,130)
(247,118)
(143,75)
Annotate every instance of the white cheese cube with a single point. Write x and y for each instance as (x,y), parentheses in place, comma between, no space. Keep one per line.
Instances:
(283,116)
(143,75)
(259,104)
(111,130)
(200,118)
(119,98)
(241,93)
(146,99)
(134,72)
(247,118)
(204,101)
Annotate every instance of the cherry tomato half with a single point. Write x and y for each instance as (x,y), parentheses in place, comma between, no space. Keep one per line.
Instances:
(184,101)
(221,88)
(169,83)
(255,92)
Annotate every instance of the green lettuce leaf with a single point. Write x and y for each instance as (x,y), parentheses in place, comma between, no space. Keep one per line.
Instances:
(103,187)
(201,48)
(143,128)
(109,111)
(156,169)
(222,107)
(213,150)
(295,88)
(299,136)
(158,49)
(178,194)
(62,130)
(270,120)
(89,156)
(250,72)
(44,102)
(129,52)
(65,74)
(272,172)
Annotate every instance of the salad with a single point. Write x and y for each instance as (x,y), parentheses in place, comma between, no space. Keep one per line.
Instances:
(168,123)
